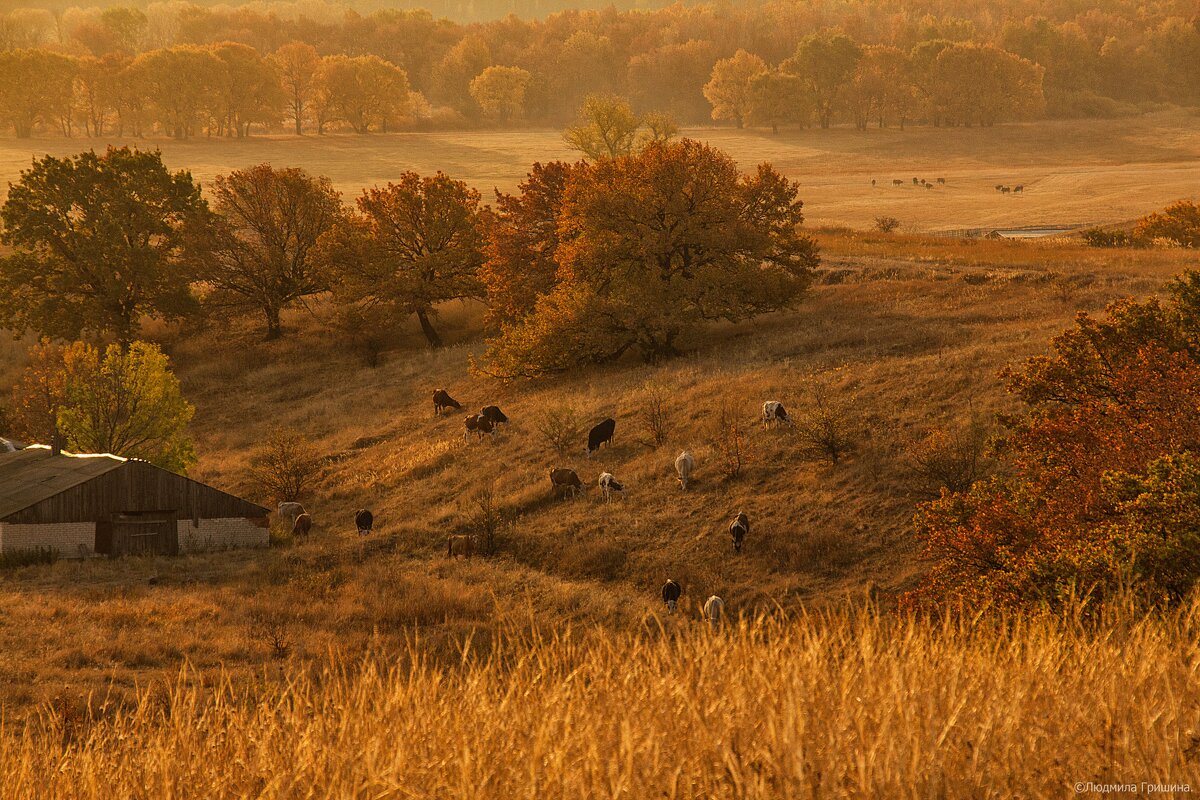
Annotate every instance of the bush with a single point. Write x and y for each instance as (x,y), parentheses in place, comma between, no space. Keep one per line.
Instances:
(952,459)
(829,423)
(1098,237)
(559,427)
(484,516)
(656,414)
(886,224)
(25,558)
(730,443)
(287,465)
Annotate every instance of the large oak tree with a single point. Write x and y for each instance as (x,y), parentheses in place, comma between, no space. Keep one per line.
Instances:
(100,241)
(260,249)
(413,244)
(652,245)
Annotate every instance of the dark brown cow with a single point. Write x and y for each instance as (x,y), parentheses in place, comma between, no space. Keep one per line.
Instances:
(302,525)
(479,425)
(563,480)
(442,400)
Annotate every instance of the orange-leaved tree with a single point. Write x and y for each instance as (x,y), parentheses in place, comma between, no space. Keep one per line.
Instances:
(1115,407)
(650,246)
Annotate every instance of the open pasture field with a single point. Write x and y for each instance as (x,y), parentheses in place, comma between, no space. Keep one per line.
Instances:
(1073,172)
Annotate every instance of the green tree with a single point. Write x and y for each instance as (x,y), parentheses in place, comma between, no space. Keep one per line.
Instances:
(100,242)
(984,84)
(36,86)
(825,62)
(183,88)
(729,88)
(364,91)
(260,249)
(777,98)
(251,91)
(651,246)
(124,401)
(414,243)
(500,92)
(607,128)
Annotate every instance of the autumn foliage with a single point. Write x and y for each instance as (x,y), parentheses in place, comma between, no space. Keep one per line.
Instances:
(1105,477)
(646,248)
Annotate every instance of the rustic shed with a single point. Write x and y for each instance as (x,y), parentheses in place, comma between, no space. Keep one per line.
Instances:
(85,504)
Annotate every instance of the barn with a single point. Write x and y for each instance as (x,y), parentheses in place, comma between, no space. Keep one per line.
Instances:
(80,505)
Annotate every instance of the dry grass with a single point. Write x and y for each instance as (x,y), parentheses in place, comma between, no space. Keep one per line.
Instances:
(1074,172)
(849,704)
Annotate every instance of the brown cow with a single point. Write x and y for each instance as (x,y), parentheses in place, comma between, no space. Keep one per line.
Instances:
(480,425)
(302,525)
(460,546)
(562,480)
(442,400)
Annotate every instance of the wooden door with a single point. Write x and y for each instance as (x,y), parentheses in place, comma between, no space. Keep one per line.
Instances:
(153,533)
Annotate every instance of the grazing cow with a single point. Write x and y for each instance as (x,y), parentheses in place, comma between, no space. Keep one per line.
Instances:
(460,546)
(289,511)
(1005,190)
(929,186)
(364,520)
(494,415)
(302,525)
(915,181)
(738,530)
(442,400)
(999,186)
(897,182)
(601,434)
(1020,187)
(872,181)
(563,480)
(670,595)
(479,425)
(773,411)
(609,484)
(941,180)
(714,610)
(684,464)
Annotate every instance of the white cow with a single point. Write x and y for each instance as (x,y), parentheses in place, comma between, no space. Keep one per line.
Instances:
(714,610)
(684,464)
(773,411)
(608,485)
(290,511)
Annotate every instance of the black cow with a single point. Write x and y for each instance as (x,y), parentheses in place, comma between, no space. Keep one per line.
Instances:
(670,595)
(494,415)
(601,434)
(364,520)
(442,400)
(738,530)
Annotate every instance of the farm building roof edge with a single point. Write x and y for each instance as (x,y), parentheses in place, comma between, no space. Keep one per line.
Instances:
(33,475)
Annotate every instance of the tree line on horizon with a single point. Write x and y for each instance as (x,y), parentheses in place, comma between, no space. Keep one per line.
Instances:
(187,70)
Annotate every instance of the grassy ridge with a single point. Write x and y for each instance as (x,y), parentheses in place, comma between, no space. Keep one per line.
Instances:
(847,704)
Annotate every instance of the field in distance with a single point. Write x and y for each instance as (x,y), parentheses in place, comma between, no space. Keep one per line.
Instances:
(1073,172)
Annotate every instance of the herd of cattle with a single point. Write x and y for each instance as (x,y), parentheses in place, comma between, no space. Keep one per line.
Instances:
(563,480)
(915,182)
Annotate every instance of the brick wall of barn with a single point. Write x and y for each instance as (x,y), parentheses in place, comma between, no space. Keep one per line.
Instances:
(221,534)
(65,537)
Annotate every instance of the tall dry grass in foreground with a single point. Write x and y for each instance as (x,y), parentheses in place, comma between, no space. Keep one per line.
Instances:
(852,704)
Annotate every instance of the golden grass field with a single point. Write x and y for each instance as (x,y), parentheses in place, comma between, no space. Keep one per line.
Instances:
(909,329)
(1074,172)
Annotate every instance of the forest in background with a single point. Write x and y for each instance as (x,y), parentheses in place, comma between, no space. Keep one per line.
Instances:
(179,69)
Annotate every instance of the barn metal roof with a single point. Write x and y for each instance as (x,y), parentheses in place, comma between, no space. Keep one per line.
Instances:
(35,474)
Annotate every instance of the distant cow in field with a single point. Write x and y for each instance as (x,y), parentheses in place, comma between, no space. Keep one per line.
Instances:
(494,415)
(302,525)
(563,480)
(1020,187)
(608,485)
(670,595)
(929,186)
(941,180)
(289,511)
(442,400)
(460,546)
(897,182)
(773,411)
(364,520)
(714,610)
(601,434)
(479,425)
(999,187)
(684,464)
(1005,190)
(872,181)
(915,181)
(738,530)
